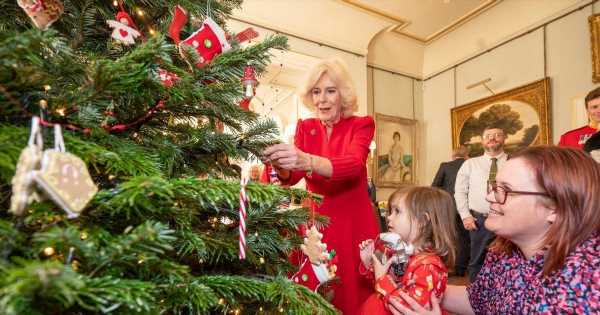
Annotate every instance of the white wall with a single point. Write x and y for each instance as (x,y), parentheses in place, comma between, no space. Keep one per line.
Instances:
(503,21)
(564,56)
(396,53)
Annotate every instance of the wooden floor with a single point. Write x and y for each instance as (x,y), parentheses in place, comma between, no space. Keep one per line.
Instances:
(458,280)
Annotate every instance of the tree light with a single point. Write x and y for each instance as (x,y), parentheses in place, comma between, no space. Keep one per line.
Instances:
(61,111)
(49,251)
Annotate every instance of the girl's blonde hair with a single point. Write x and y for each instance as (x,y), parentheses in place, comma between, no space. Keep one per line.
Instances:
(338,72)
(433,211)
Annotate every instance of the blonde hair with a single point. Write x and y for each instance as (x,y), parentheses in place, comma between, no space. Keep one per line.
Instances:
(338,72)
(433,211)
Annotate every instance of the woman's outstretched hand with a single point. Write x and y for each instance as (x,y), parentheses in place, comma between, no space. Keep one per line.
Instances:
(287,157)
(396,307)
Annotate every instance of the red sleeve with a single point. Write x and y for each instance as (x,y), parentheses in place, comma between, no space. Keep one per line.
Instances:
(351,164)
(562,142)
(426,280)
(296,176)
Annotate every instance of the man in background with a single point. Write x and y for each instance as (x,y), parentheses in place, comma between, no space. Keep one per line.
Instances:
(577,137)
(471,189)
(592,146)
(445,179)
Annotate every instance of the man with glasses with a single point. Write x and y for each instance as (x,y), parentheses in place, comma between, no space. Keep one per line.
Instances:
(470,191)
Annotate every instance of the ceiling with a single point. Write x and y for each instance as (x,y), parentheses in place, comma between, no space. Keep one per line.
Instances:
(423,20)
(352,24)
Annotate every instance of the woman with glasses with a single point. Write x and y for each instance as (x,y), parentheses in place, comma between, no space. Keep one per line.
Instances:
(545,210)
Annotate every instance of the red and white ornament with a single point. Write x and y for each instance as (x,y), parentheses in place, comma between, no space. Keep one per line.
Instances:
(208,41)
(124,29)
(42,12)
(167,78)
(242,228)
(249,82)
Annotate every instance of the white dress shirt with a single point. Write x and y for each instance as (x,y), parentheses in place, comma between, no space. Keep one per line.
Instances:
(471,184)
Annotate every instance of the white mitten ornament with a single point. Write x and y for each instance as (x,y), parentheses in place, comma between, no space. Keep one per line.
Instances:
(29,160)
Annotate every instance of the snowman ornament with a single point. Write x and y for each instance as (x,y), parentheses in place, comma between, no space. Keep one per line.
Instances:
(124,29)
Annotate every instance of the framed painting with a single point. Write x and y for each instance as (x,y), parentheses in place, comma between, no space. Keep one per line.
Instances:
(594,22)
(523,113)
(395,151)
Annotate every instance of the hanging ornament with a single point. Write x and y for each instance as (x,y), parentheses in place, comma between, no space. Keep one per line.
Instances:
(246,35)
(42,12)
(124,29)
(249,82)
(242,229)
(29,160)
(319,266)
(167,78)
(208,41)
(64,177)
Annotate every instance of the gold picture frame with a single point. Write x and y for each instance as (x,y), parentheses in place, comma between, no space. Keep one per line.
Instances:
(523,112)
(395,151)
(594,22)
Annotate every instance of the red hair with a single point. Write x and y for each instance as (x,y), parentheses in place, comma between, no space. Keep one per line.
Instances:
(572,181)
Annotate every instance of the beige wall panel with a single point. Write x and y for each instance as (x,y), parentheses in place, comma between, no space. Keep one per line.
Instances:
(436,137)
(392,94)
(569,66)
(501,22)
(516,63)
(396,53)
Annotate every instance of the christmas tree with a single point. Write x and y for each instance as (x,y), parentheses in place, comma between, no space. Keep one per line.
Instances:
(156,120)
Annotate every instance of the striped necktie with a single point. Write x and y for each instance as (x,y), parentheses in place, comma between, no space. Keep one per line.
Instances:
(493,170)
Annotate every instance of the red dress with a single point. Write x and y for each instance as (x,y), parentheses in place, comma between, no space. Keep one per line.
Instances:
(425,275)
(576,138)
(346,200)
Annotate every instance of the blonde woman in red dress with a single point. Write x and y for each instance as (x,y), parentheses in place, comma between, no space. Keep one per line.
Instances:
(330,153)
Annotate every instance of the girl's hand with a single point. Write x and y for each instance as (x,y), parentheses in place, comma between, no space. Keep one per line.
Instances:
(366,250)
(381,269)
(396,307)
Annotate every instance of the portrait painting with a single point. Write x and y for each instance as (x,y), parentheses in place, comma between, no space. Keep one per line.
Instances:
(594,22)
(523,114)
(395,162)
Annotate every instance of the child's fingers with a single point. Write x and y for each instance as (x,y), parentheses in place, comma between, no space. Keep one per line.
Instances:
(396,307)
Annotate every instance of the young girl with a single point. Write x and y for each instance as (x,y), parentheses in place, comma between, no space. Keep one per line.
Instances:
(423,218)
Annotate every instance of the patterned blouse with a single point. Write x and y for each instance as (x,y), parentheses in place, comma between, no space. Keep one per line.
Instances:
(511,284)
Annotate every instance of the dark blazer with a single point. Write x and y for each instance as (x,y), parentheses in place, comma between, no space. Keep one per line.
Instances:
(446,175)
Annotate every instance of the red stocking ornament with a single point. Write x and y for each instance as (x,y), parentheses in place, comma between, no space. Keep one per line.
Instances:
(209,40)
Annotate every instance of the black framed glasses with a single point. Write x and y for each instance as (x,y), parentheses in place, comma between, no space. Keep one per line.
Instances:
(500,192)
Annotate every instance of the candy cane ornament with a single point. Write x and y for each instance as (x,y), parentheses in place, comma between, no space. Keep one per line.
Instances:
(243,201)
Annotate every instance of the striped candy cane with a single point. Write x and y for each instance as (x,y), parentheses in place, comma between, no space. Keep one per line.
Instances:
(243,201)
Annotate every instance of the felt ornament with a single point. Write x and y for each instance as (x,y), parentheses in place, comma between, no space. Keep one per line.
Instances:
(42,12)
(319,266)
(124,29)
(208,41)
(167,78)
(64,177)
(23,192)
